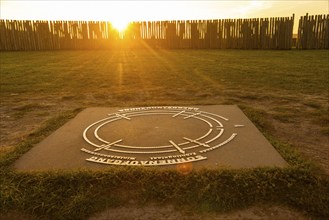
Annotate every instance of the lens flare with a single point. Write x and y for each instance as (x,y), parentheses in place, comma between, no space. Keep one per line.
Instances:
(184,168)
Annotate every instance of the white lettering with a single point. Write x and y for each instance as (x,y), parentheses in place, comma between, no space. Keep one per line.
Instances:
(134,162)
(171,161)
(146,162)
(101,159)
(200,157)
(181,160)
(125,162)
(153,162)
(158,108)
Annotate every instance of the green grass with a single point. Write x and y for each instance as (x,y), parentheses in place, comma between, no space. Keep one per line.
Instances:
(275,89)
(162,73)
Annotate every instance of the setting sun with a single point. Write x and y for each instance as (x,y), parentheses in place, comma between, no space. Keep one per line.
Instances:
(120,24)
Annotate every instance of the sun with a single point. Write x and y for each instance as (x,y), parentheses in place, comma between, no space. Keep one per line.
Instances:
(120,24)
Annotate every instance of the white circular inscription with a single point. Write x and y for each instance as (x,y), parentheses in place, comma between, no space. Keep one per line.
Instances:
(153,136)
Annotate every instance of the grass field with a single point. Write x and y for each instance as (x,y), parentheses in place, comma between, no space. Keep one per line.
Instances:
(285,93)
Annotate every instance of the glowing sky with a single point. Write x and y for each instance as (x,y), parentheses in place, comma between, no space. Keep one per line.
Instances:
(124,11)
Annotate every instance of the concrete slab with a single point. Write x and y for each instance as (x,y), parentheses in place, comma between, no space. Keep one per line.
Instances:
(161,136)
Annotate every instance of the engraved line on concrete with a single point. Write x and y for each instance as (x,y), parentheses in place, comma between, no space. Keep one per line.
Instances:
(178,114)
(196,142)
(152,147)
(226,119)
(210,130)
(138,114)
(147,113)
(107,146)
(134,114)
(184,143)
(220,133)
(192,116)
(210,125)
(140,147)
(86,130)
(221,144)
(191,147)
(177,147)
(214,119)
(101,125)
(141,152)
(122,116)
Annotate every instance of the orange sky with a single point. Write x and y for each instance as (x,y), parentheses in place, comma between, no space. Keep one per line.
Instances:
(121,12)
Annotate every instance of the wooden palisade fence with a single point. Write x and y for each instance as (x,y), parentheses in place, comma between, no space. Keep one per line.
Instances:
(313,32)
(258,33)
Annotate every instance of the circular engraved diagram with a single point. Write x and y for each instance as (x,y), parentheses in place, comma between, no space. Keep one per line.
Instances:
(154,136)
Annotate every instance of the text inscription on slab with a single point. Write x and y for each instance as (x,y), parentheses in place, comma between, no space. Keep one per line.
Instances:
(157,136)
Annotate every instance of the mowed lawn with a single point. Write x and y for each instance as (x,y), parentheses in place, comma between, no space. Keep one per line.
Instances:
(150,77)
(285,93)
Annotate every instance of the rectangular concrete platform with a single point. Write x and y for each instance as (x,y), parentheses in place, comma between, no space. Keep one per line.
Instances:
(213,136)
